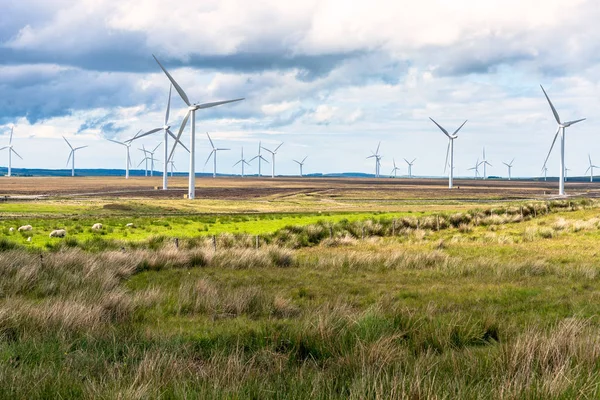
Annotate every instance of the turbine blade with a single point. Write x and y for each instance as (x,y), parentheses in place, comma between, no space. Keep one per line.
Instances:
(211,142)
(147,133)
(551,147)
(217,103)
(439,126)
(141,162)
(14,151)
(177,141)
(5,147)
(246,163)
(413,161)
(168,106)
(175,84)
(11,135)
(459,128)
(253,158)
(208,159)
(220,149)
(237,163)
(378,145)
(69,159)
(277,148)
(181,128)
(304,159)
(264,148)
(574,122)
(447,154)
(586,171)
(80,147)
(512,161)
(68,142)
(114,141)
(551,106)
(157,146)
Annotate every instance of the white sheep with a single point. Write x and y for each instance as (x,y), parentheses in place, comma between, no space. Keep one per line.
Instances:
(25,228)
(29,239)
(129,225)
(11,230)
(97,227)
(59,233)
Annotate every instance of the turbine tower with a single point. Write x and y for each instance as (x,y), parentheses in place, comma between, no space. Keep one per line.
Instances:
(410,164)
(395,169)
(476,168)
(509,165)
(273,153)
(377,157)
(450,150)
(10,151)
(301,164)
(127,156)
(213,154)
(561,130)
(192,108)
(72,155)
(242,161)
(145,159)
(260,158)
(167,132)
(566,170)
(485,163)
(591,169)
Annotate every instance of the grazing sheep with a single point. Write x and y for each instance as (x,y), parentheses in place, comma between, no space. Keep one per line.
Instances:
(129,225)
(11,229)
(59,233)
(97,227)
(25,228)
(29,239)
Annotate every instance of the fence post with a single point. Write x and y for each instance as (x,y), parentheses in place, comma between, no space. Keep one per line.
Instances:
(257,242)
(437,222)
(363,233)
(418,223)
(330,232)
(214,242)
(534,211)
(177,243)
(393,227)
(42,260)
(521,211)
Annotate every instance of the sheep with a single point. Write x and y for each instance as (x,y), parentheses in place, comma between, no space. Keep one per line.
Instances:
(25,228)
(129,225)
(11,230)
(97,227)
(29,239)
(59,233)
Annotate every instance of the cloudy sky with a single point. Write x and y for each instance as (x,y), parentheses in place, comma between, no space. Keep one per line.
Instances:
(329,78)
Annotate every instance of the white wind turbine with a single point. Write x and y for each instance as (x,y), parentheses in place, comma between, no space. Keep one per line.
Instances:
(213,154)
(273,153)
(566,170)
(561,130)
(144,160)
(192,108)
(242,161)
(151,158)
(591,169)
(476,168)
(172,163)
(10,151)
(377,157)
(72,155)
(166,128)
(395,169)
(127,145)
(509,165)
(485,163)
(410,164)
(545,170)
(450,150)
(301,164)
(260,158)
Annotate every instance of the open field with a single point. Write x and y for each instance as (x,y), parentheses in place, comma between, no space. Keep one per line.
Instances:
(359,290)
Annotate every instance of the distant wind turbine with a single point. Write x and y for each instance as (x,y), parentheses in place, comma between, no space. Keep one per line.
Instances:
(485,163)
(509,165)
(566,171)
(450,150)
(591,169)
(395,169)
(545,170)
(476,168)
(151,158)
(301,164)
(167,132)
(561,130)
(72,155)
(242,161)
(260,158)
(192,108)
(377,157)
(144,160)
(10,151)
(273,153)
(172,163)
(213,154)
(410,164)
(127,145)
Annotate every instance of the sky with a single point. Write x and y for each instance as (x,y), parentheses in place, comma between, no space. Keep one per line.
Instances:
(331,79)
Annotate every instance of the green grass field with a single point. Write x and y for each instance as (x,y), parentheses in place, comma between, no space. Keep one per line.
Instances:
(498,301)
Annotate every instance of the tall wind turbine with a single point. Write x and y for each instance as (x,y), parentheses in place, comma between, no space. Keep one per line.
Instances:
(242,161)
(591,169)
(561,130)
(410,164)
(260,158)
(127,156)
(476,168)
(377,157)
(450,150)
(72,155)
(10,151)
(273,153)
(509,165)
(213,154)
(485,163)
(301,164)
(192,108)
(167,132)
(395,169)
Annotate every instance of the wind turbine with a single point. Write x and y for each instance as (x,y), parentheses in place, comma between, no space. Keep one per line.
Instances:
(167,132)
(591,169)
(545,169)
(566,170)
(151,158)
(242,161)
(450,150)
(395,169)
(146,158)
(485,163)
(301,164)
(10,151)
(410,164)
(476,168)
(377,157)
(509,165)
(172,163)
(192,108)
(273,153)
(213,154)
(127,156)
(72,155)
(260,158)
(561,129)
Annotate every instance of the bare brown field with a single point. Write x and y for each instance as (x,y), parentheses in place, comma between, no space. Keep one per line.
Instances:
(229,188)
